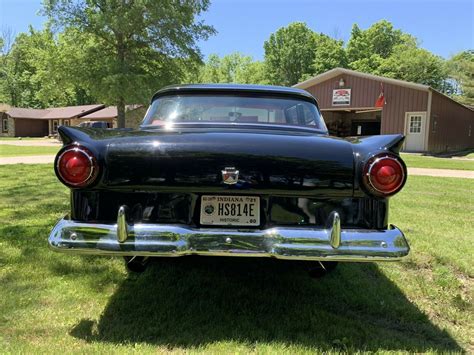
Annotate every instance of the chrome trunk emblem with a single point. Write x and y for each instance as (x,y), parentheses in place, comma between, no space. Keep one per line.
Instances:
(230,175)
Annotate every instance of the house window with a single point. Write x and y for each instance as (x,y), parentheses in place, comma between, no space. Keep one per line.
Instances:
(5,125)
(415,124)
(55,125)
(66,123)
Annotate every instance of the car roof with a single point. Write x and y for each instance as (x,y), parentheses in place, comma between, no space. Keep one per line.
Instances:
(234,89)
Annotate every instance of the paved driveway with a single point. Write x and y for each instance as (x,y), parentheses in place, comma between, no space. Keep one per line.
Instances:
(30,159)
(442,172)
(31,143)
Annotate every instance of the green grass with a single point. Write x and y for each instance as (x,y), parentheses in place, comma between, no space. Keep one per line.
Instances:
(52,302)
(7,150)
(420,161)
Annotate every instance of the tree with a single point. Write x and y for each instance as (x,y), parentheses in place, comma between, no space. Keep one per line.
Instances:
(366,49)
(132,47)
(232,68)
(461,70)
(35,71)
(253,73)
(383,50)
(417,65)
(17,86)
(290,54)
(329,54)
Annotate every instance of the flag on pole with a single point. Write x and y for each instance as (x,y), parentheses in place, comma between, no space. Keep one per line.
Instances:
(381,99)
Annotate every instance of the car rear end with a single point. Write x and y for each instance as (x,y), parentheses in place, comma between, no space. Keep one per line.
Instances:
(230,190)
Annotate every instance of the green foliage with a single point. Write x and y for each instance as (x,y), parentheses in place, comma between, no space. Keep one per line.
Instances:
(414,64)
(117,52)
(420,161)
(7,150)
(329,54)
(18,68)
(35,72)
(131,48)
(461,70)
(295,53)
(379,40)
(290,53)
(232,68)
(383,50)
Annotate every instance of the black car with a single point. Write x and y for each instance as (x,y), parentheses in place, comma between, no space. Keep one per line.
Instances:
(230,170)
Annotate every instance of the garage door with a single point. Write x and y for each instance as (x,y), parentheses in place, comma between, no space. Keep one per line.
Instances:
(31,127)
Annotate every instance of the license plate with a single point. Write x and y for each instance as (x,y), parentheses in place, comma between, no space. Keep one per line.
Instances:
(230,210)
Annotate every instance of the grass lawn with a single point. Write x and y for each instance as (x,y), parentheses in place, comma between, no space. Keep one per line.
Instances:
(59,303)
(420,161)
(7,150)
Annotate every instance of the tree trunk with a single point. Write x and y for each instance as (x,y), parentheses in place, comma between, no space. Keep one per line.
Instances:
(121,99)
(121,112)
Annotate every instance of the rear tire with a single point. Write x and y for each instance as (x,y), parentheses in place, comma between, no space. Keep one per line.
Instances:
(321,268)
(136,264)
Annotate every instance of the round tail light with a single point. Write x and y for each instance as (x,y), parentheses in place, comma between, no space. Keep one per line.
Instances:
(76,166)
(384,175)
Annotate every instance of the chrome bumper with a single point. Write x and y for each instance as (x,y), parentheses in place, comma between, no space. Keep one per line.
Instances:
(331,243)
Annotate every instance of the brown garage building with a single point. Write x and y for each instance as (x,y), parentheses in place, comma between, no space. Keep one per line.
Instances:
(355,103)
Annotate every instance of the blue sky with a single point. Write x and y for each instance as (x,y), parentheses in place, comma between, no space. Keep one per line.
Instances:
(444,27)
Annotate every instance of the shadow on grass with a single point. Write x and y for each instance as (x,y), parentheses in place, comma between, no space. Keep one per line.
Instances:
(457,154)
(191,302)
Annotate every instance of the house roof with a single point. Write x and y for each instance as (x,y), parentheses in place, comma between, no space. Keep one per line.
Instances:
(18,112)
(53,113)
(338,71)
(108,112)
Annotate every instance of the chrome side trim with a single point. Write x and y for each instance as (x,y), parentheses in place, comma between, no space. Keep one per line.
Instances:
(282,243)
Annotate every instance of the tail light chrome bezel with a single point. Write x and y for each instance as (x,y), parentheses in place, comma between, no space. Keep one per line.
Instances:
(93,165)
(367,174)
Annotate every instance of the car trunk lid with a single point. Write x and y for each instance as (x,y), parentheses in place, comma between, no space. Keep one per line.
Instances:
(268,162)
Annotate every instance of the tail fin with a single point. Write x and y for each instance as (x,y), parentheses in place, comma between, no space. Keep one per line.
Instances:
(75,134)
(389,142)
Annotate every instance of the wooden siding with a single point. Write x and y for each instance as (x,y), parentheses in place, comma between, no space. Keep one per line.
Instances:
(364,94)
(449,126)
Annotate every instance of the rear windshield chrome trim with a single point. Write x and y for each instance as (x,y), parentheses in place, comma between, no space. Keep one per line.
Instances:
(234,125)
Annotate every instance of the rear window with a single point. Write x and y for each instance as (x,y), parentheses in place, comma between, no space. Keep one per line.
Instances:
(233,109)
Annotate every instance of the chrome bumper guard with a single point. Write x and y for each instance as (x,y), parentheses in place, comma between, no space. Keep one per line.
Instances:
(331,243)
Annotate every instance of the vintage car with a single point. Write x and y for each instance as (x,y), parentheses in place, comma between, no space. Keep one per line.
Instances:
(230,170)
